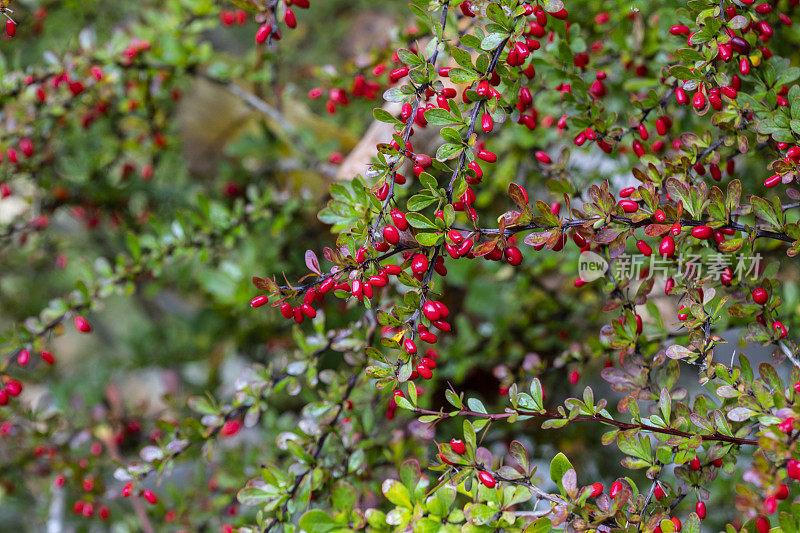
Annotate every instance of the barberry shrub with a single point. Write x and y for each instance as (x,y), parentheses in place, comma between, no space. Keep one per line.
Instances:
(490,265)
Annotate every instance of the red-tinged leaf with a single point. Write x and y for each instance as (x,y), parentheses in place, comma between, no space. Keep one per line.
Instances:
(509,218)
(484,248)
(731,245)
(607,235)
(656,230)
(676,351)
(518,195)
(312,262)
(538,238)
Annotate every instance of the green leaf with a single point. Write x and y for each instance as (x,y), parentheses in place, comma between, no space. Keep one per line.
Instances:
(439,117)
(420,221)
(420,201)
(492,41)
(460,76)
(317,521)
(448,151)
(542,525)
(384,116)
(558,467)
(429,239)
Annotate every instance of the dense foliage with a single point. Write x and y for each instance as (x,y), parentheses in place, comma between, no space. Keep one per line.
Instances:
(511,265)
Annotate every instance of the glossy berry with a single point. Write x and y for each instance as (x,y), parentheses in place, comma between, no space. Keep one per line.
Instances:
(82,325)
(263,33)
(762,524)
(760,296)
(419,264)
(702,232)
(150,496)
(391,235)
(597,490)
(694,464)
(644,248)
(700,509)
(513,255)
(258,301)
(667,246)
(616,487)
(458,446)
(11,28)
(487,479)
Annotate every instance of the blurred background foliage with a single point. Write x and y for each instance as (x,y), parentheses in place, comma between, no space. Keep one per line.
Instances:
(182,327)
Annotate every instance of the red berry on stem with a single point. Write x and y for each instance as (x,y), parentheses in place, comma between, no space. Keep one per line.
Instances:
(11,28)
(419,264)
(667,246)
(513,255)
(597,490)
(616,487)
(82,325)
(700,509)
(458,446)
(263,33)
(150,496)
(702,232)
(760,296)
(487,479)
(258,301)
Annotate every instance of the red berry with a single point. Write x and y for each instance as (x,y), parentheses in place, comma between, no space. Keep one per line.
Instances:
(513,255)
(783,492)
(391,235)
(48,358)
(399,219)
(23,357)
(487,124)
(424,371)
(762,524)
(659,492)
(616,487)
(258,301)
(574,376)
(694,464)
(11,28)
(82,325)
(702,232)
(148,495)
(290,19)
(262,33)
(629,206)
(419,264)
(700,509)
(772,181)
(699,100)
(677,521)
(13,388)
(127,490)
(458,446)
(597,490)
(667,246)
(487,156)
(487,479)
(760,296)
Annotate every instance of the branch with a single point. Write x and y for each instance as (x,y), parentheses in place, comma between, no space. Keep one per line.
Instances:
(718,437)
